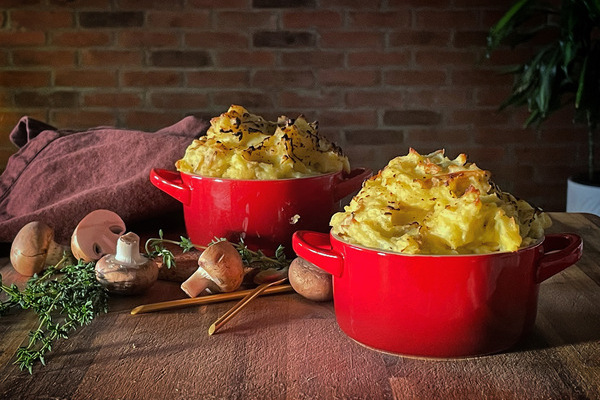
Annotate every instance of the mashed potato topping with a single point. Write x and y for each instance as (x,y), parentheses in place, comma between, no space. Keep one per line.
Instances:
(430,204)
(240,145)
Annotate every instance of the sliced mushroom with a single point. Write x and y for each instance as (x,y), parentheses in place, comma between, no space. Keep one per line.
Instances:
(34,248)
(96,235)
(220,269)
(127,271)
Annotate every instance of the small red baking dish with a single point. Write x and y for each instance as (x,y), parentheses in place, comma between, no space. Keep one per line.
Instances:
(438,306)
(264,213)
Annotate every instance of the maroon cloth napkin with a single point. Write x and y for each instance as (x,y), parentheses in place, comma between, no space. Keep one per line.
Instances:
(58,177)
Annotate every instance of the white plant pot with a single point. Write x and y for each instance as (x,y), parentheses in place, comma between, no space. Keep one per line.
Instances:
(583,198)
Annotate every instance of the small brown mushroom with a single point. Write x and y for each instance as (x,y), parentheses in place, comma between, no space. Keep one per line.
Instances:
(310,281)
(127,271)
(96,235)
(220,269)
(34,248)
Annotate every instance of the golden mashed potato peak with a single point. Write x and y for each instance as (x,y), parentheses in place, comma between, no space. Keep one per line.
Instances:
(241,145)
(430,204)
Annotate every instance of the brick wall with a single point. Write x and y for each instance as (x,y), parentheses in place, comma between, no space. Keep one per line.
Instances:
(380,76)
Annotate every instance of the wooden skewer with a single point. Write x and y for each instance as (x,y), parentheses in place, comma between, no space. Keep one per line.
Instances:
(235,309)
(213,298)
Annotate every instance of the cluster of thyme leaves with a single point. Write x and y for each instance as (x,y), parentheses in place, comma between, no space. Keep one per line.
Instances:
(155,247)
(67,296)
(64,297)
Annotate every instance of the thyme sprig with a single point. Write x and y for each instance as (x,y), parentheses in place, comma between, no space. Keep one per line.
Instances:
(155,247)
(65,297)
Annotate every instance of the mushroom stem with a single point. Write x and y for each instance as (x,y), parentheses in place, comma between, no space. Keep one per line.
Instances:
(196,283)
(128,250)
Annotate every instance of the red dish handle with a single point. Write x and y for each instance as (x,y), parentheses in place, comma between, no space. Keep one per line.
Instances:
(560,251)
(170,182)
(351,182)
(315,247)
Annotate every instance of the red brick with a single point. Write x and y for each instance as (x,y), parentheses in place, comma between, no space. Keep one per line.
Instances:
(315,59)
(151,78)
(55,99)
(419,137)
(491,95)
(414,78)
(112,99)
(78,119)
(243,20)
(373,98)
(149,120)
(179,100)
(195,18)
(85,78)
(312,19)
(440,57)
(136,5)
(348,119)
(111,19)
(80,38)
(350,78)
(378,58)
(252,100)
(411,117)
(464,39)
(380,19)
(352,40)
(419,3)
(24,38)
(402,38)
(283,79)
(129,39)
(283,39)
(303,99)
(40,20)
(480,117)
(217,78)
(46,58)
(430,19)
(480,77)
(81,4)
(370,136)
(283,3)
(220,3)
(180,58)
(18,79)
(245,59)
(216,40)
(111,57)
(438,97)
(353,4)
(3,58)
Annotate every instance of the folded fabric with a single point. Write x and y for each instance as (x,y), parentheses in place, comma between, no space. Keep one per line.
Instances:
(59,176)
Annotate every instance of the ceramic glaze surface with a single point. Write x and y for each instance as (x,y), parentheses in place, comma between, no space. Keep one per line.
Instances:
(264,213)
(436,306)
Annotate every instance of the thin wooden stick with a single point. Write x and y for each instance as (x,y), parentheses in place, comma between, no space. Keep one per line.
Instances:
(213,298)
(242,303)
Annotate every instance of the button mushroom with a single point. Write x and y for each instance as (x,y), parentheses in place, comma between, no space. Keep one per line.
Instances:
(96,235)
(310,281)
(127,271)
(220,269)
(34,248)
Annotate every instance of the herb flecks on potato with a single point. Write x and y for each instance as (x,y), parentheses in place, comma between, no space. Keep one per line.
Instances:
(430,204)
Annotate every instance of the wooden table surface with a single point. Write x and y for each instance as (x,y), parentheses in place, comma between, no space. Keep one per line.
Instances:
(284,346)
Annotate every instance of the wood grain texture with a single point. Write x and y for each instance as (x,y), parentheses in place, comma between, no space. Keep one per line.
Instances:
(287,347)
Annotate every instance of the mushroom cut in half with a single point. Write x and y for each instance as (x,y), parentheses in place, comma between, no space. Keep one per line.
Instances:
(96,235)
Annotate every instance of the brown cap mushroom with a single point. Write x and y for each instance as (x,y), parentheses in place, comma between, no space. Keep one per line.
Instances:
(220,269)
(310,281)
(96,235)
(34,248)
(127,271)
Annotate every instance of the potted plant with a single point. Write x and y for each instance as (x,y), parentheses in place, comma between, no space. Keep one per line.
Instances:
(564,70)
